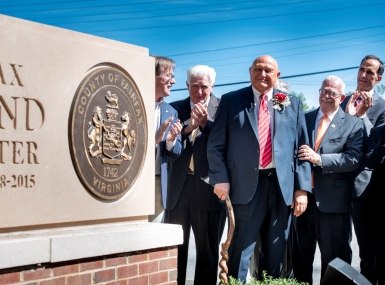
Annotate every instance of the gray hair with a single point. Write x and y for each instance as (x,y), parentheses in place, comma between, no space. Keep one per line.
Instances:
(337,79)
(282,85)
(201,71)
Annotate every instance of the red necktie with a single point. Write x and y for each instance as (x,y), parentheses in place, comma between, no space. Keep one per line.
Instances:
(322,127)
(264,133)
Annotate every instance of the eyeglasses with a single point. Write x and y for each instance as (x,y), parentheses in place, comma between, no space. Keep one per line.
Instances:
(168,75)
(328,92)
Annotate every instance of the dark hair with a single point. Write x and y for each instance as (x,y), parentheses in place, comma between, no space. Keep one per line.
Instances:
(380,70)
(162,63)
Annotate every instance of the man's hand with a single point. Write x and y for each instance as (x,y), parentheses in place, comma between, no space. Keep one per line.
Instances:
(361,109)
(199,114)
(299,202)
(305,152)
(162,129)
(175,130)
(222,190)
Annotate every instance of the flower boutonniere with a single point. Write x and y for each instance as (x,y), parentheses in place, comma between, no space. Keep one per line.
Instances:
(280,101)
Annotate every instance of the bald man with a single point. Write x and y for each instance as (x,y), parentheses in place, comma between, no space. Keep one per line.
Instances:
(252,154)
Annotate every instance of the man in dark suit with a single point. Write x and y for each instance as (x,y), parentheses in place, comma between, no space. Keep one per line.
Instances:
(190,201)
(168,128)
(253,147)
(335,149)
(375,159)
(366,104)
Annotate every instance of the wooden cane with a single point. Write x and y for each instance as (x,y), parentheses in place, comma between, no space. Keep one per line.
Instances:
(225,246)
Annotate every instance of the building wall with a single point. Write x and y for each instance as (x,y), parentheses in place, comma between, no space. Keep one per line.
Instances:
(146,267)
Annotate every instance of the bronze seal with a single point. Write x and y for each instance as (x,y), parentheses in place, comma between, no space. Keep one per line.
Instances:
(108,132)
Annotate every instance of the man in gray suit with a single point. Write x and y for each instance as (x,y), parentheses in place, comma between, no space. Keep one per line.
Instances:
(252,154)
(335,149)
(366,104)
(190,201)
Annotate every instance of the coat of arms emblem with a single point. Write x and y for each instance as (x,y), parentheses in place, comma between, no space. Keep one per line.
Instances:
(108,132)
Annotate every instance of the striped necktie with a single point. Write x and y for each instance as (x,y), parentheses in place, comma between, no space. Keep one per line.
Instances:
(264,133)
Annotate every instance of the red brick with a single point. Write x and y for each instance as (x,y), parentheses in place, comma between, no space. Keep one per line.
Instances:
(116,261)
(91,265)
(104,275)
(37,274)
(127,271)
(168,263)
(137,258)
(9,278)
(84,279)
(141,280)
(158,277)
(158,254)
(119,282)
(64,270)
(173,275)
(57,281)
(173,252)
(148,267)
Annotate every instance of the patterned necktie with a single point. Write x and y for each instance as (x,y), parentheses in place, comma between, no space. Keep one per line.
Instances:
(264,133)
(193,136)
(322,127)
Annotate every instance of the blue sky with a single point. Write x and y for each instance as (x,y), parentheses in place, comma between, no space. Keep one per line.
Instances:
(304,36)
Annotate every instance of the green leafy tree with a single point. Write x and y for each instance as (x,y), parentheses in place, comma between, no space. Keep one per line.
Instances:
(301,96)
(380,88)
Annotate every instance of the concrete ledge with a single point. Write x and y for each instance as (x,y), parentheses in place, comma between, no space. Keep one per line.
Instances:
(55,245)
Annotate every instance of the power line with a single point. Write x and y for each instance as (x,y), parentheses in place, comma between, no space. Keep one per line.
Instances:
(234,20)
(72,8)
(141,11)
(275,42)
(185,14)
(47,3)
(296,48)
(281,77)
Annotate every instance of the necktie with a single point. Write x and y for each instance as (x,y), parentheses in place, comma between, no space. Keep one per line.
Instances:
(193,136)
(264,133)
(322,127)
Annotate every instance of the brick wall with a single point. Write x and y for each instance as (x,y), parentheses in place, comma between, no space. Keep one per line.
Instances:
(156,266)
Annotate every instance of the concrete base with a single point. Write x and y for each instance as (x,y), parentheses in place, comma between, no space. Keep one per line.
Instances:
(56,245)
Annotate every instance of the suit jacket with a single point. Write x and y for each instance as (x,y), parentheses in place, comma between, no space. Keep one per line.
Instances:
(178,168)
(375,117)
(341,152)
(233,148)
(166,111)
(375,159)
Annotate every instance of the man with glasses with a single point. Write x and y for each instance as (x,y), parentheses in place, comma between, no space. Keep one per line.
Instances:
(366,104)
(167,130)
(334,150)
(191,202)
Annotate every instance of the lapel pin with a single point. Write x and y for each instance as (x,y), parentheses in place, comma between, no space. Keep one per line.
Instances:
(166,111)
(333,125)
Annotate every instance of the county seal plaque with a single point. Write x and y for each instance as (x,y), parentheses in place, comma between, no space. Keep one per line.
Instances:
(108,132)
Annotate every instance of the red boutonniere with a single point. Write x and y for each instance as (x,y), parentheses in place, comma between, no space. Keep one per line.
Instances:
(280,101)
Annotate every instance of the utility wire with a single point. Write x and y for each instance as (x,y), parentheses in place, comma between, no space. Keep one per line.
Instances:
(103,6)
(274,42)
(281,77)
(185,14)
(142,11)
(296,48)
(236,20)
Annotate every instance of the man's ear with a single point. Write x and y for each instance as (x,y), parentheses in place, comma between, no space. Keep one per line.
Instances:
(343,96)
(187,85)
(379,78)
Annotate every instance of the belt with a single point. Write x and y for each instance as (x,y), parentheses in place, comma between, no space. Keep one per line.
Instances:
(271,172)
(191,172)
(157,175)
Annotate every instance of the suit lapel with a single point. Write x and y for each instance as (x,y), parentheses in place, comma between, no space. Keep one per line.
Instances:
(212,107)
(334,125)
(312,132)
(248,102)
(277,116)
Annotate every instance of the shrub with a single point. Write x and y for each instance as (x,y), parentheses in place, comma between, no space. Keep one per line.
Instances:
(267,280)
